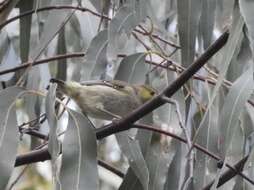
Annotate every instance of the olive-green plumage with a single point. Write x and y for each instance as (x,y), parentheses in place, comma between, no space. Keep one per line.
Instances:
(106,99)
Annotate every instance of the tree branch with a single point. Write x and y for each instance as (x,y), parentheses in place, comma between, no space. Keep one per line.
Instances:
(27,64)
(229,174)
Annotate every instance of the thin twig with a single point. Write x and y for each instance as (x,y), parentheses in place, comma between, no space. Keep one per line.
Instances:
(111,168)
(42,61)
(184,129)
(18,177)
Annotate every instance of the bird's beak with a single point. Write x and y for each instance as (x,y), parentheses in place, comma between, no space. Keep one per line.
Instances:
(60,83)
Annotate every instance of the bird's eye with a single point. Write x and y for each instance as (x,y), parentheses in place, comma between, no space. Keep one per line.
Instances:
(152,93)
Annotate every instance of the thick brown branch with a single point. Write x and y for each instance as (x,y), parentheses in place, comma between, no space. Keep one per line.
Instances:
(226,176)
(33,156)
(43,155)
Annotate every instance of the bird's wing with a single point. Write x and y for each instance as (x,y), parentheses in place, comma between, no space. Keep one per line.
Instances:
(92,82)
(116,84)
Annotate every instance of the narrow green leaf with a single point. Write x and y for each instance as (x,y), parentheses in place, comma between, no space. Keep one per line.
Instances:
(132,151)
(55,21)
(25,29)
(207,21)
(53,144)
(189,13)
(233,106)
(52,120)
(96,60)
(159,158)
(8,57)
(175,169)
(9,136)
(208,138)
(132,69)
(79,164)
(143,137)
(246,8)
(33,83)
(125,20)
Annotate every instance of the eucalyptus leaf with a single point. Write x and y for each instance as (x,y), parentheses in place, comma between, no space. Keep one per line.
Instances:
(189,13)
(233,106)
(9,136)
(4,43)
(55,21)
(33,83)
(175,168)
(132,69)
(9,60)
(79,163)
(246,8)
(207,21)
(208,138)
(32,104)
(132,151)
(25,29)
(131,181)
(159,159)
(96,60)
(54,148)
(53,144)
(125,20)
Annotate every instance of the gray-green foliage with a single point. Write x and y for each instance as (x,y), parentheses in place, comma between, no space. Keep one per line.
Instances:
(131,40)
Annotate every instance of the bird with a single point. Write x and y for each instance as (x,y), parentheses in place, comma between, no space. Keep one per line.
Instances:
(106,100)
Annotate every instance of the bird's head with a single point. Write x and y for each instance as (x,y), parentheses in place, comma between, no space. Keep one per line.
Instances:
(145,92)
(69,88)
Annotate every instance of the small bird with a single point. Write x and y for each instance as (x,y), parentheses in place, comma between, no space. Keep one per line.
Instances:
(106,99)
